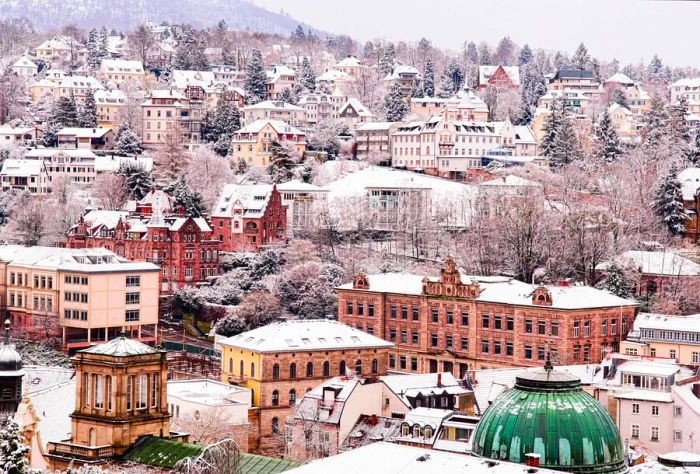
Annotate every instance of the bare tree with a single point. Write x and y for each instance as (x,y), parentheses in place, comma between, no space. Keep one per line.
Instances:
(223,456)
(141,40)
(207,173)
(110,190)
(171,159)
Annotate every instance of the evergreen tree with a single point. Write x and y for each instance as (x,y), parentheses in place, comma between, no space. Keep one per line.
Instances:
(654,123)
(307,76)
(693,151)
(13,450)
(138,180)
(66,111)
(505,52)
(451,80)
(255,78)
(395,108)
(656,71)
(50,136)
(299,33)
(550,126)
(484,54)
(533,86)
(88,112)
(566,147)
(93,49)
(191,201)
(616,282)
(220,125)
(607,143)
(417,89)
(126,142)
(429,79)
(190,52)
(525,56)
(281,163)
(103,43)
(386,65)
(678,131)
(288,96)
(581,59)
(668,201)
(620,98)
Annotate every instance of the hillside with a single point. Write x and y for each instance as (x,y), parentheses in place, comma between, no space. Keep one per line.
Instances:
(124,14)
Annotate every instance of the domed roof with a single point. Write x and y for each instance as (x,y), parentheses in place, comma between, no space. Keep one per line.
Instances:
(10,360)
(547,413)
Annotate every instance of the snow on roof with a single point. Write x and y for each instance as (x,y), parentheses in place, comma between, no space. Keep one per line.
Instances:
(485,73)
(620,78)
(391,458)
(350,61)
(646,367)
(7,129)
(81,82)
(511,180)
(112,162)
(181,79)
(80,260)
(53,406)
(12,167)
(204,392)
(647,395)
(615,107)
(278,125)
(357,106)
(296,185)
(251,198)
(273,104)
(523,134)
(304,335)
(39,153)
(500,290)
(656,263)
(100,217)
(121,346)
(53,43)
(201,222)
(44,83)
(670,322)
(687,82)
(24,62)
(399,70)
(411,385)
(690,182)
(81,132)
(122,66)
(374,126)
(275,72)
(334,75)
(166,94)
(308,407)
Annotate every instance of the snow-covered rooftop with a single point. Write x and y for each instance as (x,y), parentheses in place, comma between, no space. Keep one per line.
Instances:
(304,335)
(668,322)
(510,180)
(81,132)
(620,78)
(656,263)
(82,260)
(690,182)
(121,346)
(410,385)
(205,392)
(251,198)
(273,105)
(13,167)
(112,162)
(123,66)
(485,73)
(278,125)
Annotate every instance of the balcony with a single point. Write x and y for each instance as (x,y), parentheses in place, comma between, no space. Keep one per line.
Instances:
(87,453)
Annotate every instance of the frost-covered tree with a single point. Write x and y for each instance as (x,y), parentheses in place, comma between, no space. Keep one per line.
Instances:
(656,72)
(550,127)
(207,174)
(607,143)
(65,112)
(429,79)
(451,81)
(386,64)
(138,180)
(282,163)
(171,157)
(13,450)
(190,52)
(668,201)
(525,56)
(395,108)
(126,142)
(220,125)
(693,152)
(87,117)
(307,76)
(533,86)
(581,59)
(677,129)
(620,98)
(255,78)
(306,290)
(110,190)
(325,136)
(189,200)
(505,52)
(94,53)
(288,96)
(617,281)
(654,123)
(485,58)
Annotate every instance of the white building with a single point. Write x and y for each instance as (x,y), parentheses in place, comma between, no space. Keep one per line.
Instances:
(24,175)
(191,399)
(274,110)
(305,204)
(24,67)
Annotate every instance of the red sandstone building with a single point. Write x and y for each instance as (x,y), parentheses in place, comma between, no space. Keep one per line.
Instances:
(456,323)
(249,216)
(183,246)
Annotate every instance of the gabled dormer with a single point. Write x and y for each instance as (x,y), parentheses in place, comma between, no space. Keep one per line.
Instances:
(542,296)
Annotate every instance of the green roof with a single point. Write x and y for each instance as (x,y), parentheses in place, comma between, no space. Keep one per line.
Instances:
(548,413)
(254,464)
(161,452)
(166,453)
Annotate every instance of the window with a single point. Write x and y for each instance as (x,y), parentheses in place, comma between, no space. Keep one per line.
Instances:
(540,352)
(141,391)
(576,328)
(375,366)
(449,317)
(393,311)
(414,363)
(133,281)
(404,312)
(129,391)
(464,343)
(131,315)
(133,298)
(677,411)
(554,328)
(240,368)
(414,311)
(349,307)
(99,393)
(370,310)
(275,372)
(309,369)
(342,370)
(509,348)
(654,433)
(485,321)
(326,369)
(587,328)
(292,397)
(275,425)
(528,352)
(404,336)
(672,353)
(485,346)
(635,431)
(402,362)
(655,410)
(613,327)
(414,337)
(109,393)
(434,315)
(465,318)
(541,327)
(448,341)
(275,398)
(392,334)
(252,369)
(433,340)
(392,361)
(510,323)
(86,389)
(677,436)
(528,326)
(497,347)
(497,322)
(154,390)
(604,327)
(635,408)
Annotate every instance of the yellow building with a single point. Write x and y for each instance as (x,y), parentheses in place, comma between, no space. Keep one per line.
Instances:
(665,335)
(251,144)
(623,120)
(110,104)
(41,88)
(120,71)
(55,49)
(80,295)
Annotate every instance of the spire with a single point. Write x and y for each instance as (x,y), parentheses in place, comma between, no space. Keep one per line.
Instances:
(548,363)
(7,332)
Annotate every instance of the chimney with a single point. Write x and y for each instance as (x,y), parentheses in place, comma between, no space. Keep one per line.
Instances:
(373,420)
(532,460)
(696,390)
(562,283)
(439,380)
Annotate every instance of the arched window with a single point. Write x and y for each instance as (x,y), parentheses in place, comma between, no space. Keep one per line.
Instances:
(342,368)
(326,369)
(275,425)
(292,397)
(252,369)
(230,365)
(275,398)
(375,366)
(310,369)
(276,372)
(416,431)
(292,370)
(428,432)
(405,429)
(240,367)
(358,366)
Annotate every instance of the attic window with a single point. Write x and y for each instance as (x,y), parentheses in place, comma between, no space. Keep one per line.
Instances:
(355,339)
(339,340)
(291,343)
(322,340)
(249,339)
(306,341)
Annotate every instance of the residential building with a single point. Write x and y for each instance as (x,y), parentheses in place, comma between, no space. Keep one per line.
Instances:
(112,163)
(524,140)
(373,141)
(79,295)
(164,111)
(407,77)
(319,107)
(575,80)
(305,204)
(325,419)
(282,361)
(251,144)
(623,120)
(454,323)
(206,86)
(575,101)
(688,87)
(183,247)
(248,216)
(76,165)
(55,49)
(690,184)
(85,138)
(274,110)
(110,105)
(24,175)
(120,71)
(78,87)
(334,78)
(352,66)
(507,77)
(353,113)
(279,78)
(665,335)
(41,88)
(660,271)
(20,136)
(468,105)
(638,101)
(24,67)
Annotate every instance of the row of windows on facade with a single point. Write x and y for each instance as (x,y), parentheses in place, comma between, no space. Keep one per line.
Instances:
(41,303)
(400,138)
(416,431)
(654,434)
(662,335)
(490,323)
(325,372)
(130,315)
(672,353)
(97,391)
(40,281)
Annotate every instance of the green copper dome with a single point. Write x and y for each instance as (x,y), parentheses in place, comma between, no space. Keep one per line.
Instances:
(548,413)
